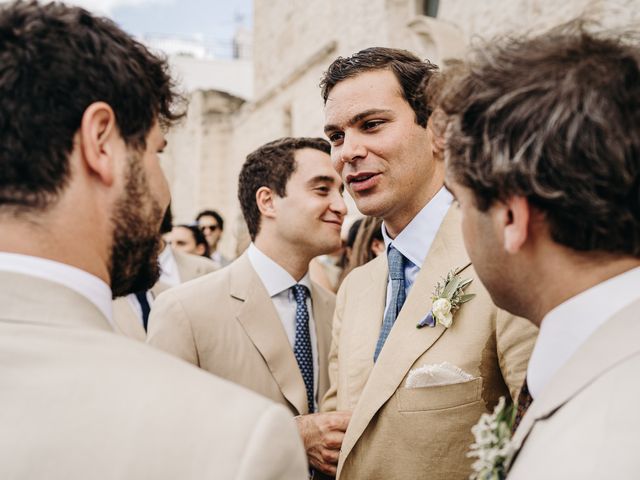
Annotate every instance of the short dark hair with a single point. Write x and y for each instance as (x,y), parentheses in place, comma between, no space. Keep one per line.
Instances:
(198,237)
(214,214)
(270,166)
(411,72)
(55,61)
(556,119)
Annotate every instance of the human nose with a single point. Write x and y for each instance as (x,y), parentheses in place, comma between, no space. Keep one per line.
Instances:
(352,148)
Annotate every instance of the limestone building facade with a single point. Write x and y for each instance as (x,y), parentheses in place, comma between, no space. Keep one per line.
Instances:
(293,43)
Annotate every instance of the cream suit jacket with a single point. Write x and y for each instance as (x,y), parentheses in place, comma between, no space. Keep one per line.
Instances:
(585,424)
(226,323)
(125,317)
(78,401)
(419,433)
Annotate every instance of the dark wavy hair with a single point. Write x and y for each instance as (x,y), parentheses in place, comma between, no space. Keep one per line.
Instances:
(412,73)
(556,119)
(55,61)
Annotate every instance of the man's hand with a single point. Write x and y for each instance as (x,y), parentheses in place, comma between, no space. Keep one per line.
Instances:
(322,434)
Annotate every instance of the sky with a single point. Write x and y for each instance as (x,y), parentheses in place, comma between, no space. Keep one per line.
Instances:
(213,21)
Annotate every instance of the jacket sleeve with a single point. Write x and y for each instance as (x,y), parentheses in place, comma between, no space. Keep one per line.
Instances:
(274,450)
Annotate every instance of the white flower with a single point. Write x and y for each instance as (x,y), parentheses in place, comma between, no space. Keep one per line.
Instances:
(441,309)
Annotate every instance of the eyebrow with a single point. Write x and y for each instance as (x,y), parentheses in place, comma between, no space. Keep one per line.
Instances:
(357,118)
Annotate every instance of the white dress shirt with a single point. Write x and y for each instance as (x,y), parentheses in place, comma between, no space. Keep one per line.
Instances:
(415,240)
(278,283)
(568,326)
(84,283)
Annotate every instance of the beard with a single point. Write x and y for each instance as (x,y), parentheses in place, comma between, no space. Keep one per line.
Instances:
(136,239)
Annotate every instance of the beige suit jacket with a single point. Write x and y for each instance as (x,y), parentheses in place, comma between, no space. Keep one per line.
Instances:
(419,433)
(585,423)
(125,317)
(226,323)
(80,402)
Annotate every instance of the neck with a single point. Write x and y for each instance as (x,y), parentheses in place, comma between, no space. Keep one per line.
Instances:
(294,262)
(398,220)
(64,245)
(569,275)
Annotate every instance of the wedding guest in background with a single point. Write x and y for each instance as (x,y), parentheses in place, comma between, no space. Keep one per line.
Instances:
(367,244)
(189,239)
(211,224)
(414,393)
(83,107)
(261,322)
(543,155)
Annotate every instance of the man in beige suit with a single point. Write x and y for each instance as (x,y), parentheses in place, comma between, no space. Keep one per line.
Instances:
(551,217)
(261,322)
(81,199)
(415,393)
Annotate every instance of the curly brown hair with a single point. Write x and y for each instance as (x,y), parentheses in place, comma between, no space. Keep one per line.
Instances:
(270,166)
(55,61)
(556,119)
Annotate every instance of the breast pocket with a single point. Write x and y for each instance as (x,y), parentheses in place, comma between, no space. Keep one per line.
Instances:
(439,397)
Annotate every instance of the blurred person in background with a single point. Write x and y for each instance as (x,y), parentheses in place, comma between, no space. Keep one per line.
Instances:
(211,224)
(189,239)
(367,245)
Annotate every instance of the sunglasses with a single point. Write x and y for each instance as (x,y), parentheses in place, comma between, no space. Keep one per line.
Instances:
(212,228)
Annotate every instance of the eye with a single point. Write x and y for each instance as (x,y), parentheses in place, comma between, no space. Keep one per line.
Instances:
(323,190)
(335,137)
(371,124)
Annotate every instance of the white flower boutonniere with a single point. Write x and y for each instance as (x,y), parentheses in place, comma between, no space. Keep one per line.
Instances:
(493,447)
(447,298)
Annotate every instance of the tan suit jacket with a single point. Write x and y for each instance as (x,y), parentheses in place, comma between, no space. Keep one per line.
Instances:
(78,401)
(396,432)
(585,423)
(124,315)
(226,323)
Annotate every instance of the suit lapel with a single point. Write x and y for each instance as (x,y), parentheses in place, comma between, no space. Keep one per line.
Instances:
(405,344)
(260,321)
(322,316)
(609,345)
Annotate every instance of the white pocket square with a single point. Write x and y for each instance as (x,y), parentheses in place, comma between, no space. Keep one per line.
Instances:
(436,374)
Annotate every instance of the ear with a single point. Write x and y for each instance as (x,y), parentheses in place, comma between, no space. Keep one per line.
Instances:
(98,137)
(437,126)
(516,216)
(265,202)
(377,247)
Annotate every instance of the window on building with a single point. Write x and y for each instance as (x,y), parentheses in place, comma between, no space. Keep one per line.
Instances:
(430,8)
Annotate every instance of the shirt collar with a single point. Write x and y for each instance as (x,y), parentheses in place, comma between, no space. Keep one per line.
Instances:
(415,240)
(565,328)
(89,286)
(275,278)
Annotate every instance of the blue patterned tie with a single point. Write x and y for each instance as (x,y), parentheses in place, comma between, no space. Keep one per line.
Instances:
(396,274)
(302,343)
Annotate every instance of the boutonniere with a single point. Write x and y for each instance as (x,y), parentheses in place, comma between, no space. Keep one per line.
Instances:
(447,298)
(493,447)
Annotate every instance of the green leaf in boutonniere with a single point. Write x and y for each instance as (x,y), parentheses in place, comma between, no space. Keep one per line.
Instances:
(447,298)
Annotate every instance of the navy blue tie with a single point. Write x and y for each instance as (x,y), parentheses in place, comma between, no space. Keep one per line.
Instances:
(144,305)
(302,344)
(396,275)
